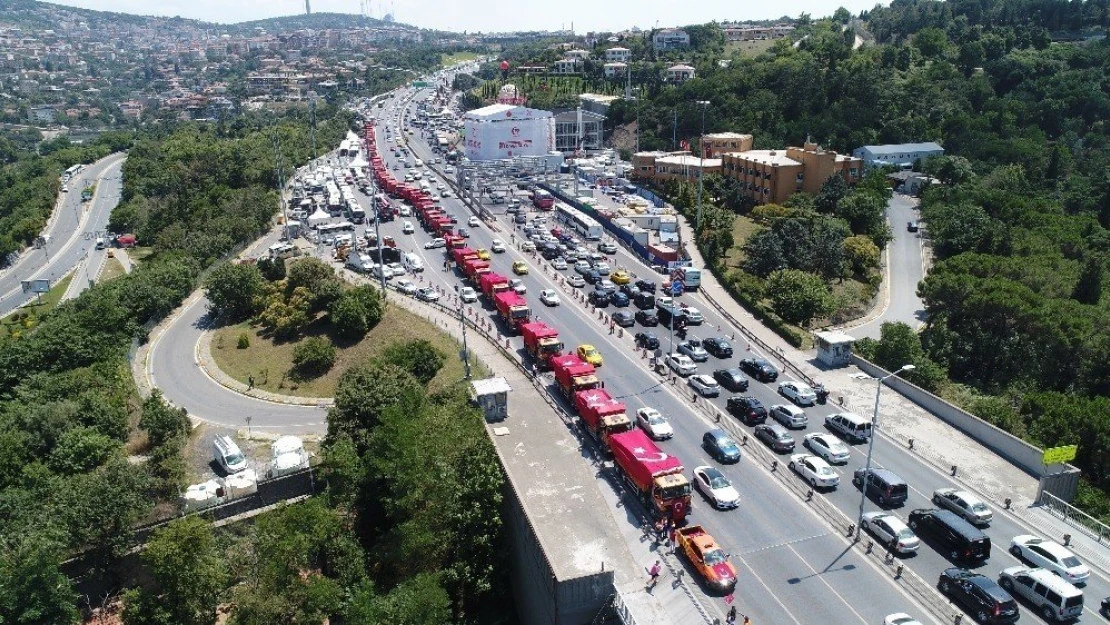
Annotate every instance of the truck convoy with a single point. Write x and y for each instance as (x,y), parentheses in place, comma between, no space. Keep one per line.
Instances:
(492,284)
(654,475)
(542,343)
(707,557)
(602,415)
(572,374)
(513,309)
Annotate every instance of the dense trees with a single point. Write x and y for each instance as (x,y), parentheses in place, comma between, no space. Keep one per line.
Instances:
(234,290)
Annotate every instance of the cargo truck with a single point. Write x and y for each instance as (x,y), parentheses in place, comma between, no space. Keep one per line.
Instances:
(512,309)
(572,374)
(654,475)
(492,284)
(462,254)
(602,415)
(542,343)
(474,268)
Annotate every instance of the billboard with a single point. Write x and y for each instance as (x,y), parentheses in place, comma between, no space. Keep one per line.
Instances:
(503,131)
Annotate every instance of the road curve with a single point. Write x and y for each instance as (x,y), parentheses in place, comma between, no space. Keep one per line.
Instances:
(904,269)
(172,367)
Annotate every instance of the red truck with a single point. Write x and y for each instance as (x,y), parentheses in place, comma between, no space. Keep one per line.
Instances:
(512,309)
(655,475)
(474,268)
(462,254)
(603,415)
(493,283)
(573,374)
(541,341)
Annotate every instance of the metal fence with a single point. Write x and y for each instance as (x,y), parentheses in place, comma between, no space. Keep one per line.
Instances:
(1074,516)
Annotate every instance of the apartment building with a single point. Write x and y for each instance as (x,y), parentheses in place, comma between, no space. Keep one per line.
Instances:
(900,155)
(718,143)
(748,32)
(678,73)
(670,39)
(569,140)
(615,70)
(618,55)
(566,66)
(662,166)
(772,176)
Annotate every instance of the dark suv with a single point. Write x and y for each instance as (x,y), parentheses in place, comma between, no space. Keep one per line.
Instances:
(647,339)
(646,286)
(748,409)
(953,537)
(979,596)
(647,318)
(759,369)
(718,347)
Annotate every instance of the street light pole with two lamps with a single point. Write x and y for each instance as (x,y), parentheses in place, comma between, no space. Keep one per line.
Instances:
(871,444)
(701,163)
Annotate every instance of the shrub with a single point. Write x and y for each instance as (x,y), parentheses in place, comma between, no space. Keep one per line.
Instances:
(313,357)
(244,341)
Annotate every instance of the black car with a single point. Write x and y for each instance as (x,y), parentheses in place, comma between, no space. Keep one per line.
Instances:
(647,339)
(618,299)
(979,595)
(759,369)
(776,437)
(644,300)
(592,276)
(951,535)
(912,226)
(629,290)
(721,446)
(599,299)
(731,379)
(550,251)
(624,318)
(748,409)
(718,347)
(646,286)
(647,318)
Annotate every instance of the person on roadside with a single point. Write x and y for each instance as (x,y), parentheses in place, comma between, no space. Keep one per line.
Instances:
(653,574)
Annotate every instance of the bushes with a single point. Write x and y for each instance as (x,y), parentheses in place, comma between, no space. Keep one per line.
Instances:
(313,357)
(747,290)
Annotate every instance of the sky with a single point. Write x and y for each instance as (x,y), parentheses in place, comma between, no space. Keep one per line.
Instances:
(491,15)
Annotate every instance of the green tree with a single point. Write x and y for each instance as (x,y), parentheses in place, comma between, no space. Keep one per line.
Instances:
(313,357)
(833,190)
(419,357)
(81,449)
(866,214)
(357,311)
(188,575)
(931,42)
(33,589)
(318,278)
(161,421)
(1089,288)
(798,296)
(364,392)
(233,290)
(862,255)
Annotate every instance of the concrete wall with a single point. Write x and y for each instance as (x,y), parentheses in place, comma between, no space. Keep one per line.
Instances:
(1018,452)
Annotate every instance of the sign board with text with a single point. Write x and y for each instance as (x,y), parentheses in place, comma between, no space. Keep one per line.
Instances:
(36,286)
(1059,455)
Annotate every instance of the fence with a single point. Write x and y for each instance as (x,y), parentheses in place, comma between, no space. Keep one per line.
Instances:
(1070,514)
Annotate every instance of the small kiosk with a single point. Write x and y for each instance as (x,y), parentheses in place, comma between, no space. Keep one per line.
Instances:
(492,396)
(834,349)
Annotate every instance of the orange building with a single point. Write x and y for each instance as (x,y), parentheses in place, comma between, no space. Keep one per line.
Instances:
(772,176)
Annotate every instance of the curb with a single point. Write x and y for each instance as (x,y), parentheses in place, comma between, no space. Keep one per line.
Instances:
(207,364)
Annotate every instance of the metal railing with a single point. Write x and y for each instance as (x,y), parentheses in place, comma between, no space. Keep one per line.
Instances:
(1074,516)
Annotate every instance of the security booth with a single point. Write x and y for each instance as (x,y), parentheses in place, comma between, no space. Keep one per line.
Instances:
(492,396)
(834,349)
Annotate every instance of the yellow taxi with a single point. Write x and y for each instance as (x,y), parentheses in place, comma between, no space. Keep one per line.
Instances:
(590,354)
(621,276)
(483,253)
(520,268)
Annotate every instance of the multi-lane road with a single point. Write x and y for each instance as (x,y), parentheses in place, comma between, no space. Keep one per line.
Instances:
(71,235)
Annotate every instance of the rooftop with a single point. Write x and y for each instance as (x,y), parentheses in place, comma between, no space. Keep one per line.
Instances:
(724,136)
(766,157)
(900,148)
(680,67)
(688,160)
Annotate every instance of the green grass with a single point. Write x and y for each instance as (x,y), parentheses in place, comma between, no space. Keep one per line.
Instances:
(458,57)
(112,269)
(26,317)
(138,254)
(270,361)
(748,48)
(743,227)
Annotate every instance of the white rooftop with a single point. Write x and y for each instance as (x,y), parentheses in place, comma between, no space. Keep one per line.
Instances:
(490,386)
(766,157)
(688,160)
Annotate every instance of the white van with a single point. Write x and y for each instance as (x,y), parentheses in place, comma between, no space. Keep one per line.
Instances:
(412,262)
(227,454)
(101,243)
(1052,596)
(850,426)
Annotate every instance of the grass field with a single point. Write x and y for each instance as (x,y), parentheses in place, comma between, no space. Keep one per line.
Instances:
(112,269)
(458,57)
(742,228)
(24,318)
(748,48)
(270,362)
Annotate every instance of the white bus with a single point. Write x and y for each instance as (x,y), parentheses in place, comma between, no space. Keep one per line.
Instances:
(578,221)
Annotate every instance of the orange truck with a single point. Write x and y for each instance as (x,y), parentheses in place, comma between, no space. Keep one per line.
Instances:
(708,558)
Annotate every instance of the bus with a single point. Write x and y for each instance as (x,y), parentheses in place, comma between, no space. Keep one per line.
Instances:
(543,199)
(343,226)
(578,221)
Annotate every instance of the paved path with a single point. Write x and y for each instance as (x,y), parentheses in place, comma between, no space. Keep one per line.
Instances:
(72,232)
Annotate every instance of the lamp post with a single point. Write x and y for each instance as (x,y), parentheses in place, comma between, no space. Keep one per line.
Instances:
(701,163)
(871,444)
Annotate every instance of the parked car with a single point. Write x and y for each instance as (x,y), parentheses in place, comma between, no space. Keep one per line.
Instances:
(721,446)
(798,393)
(624,318)
(828,447)
(790,416)
(979,596)
(717,347)
(1055,598)
(468,294)
(883,485)
(748,409)
(775,436)
(600,299)
(759,369)
(408,287)
(952,536)
(618,299)
(731,379)
(704,385)
(607,247)
(647,340)
(891,532)
(576,281)
(713,484)
(968,505)
(498,246)
(1050,555)
(694,350)
(427,294)
(559,263)
(849,426)
(646,286)
(435,243)
(814,470)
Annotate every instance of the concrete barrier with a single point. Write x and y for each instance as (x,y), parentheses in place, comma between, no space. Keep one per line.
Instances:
(1021,454)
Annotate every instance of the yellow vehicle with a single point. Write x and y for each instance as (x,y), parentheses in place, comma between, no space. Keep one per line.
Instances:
(620,276)
(520,268)
(590,354)
(707,557)
(483,254)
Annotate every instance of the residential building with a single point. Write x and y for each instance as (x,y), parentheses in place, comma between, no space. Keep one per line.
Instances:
(615,70)
(567,138)
(901,155)
(596,103)
(678,73)
(618,55)
(566,66)
(718,143)
(663,166)
(577,53)
(670,39)
(774,175)
(750,32)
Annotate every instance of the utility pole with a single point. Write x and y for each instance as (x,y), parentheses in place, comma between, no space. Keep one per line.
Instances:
(312,128)
(377,229)
(701,167)
(871,444)
(279,169)
(674,132)
(466,351)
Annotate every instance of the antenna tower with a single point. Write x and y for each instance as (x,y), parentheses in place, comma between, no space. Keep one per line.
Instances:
(307,8)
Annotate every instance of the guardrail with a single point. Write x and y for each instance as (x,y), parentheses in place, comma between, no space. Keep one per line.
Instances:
(1074,516)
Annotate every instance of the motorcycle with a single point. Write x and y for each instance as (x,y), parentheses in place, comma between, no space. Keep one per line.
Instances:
(822,393)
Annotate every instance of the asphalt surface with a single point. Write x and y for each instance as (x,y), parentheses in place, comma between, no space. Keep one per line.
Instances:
(72,234)
(905,268)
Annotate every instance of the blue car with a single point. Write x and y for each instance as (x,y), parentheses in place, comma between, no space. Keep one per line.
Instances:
(721,446)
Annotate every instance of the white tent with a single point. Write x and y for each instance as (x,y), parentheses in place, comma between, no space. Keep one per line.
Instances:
(321,216)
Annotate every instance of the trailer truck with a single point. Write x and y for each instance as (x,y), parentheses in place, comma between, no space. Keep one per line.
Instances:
(492,284)
(512,309)
(542,343)
(572,374)
(602,415)
(654,475)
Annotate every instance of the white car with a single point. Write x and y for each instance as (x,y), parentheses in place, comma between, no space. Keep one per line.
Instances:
(900,618)
(798,393)
(528,246)
(549,297)
(427,294)
(408,287)
(1050,555)
(473,222)
(559,263)
(814,470)
(654,424)
(440,186)
(576,281)
(518,286)
(790,416)
(965,504)
(680,364)
(693,315)
(435,243)
(468,294)
(498,246)
(396,268)
(408,228)
(891,532)
(582,267)
(828,447)
(419,163)
(716,487)
(445,193)
(404,211)
(704,385)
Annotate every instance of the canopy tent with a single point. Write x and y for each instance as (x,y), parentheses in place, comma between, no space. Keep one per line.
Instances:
(319,217)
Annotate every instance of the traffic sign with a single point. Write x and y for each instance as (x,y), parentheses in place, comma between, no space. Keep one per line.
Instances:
(1059,455)
(677,287)
(729,598)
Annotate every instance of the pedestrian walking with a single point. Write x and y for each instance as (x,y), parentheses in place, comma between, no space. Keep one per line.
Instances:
(731,618)
(250,382)
(673,537)
(653,574)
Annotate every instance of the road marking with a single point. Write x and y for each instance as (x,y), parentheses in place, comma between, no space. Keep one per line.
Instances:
(822,579)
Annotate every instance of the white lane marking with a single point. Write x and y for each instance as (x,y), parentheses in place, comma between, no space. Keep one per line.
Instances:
(822,579)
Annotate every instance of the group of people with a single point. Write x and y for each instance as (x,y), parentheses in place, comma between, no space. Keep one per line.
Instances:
(666,533)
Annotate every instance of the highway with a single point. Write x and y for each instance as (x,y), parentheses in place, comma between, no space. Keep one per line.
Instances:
(904,267)
(794,568)
(71,235)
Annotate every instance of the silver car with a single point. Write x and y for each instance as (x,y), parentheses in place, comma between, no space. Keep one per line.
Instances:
(790,416)
(891,531)
(694,350)
(965,504)
(681,364)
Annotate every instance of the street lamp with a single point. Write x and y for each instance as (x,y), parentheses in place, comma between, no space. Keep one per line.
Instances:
(701,164)
(871,443)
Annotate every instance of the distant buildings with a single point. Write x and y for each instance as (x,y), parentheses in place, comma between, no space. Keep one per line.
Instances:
(569,140)
(751,32)
(716,144)
(615,70)
(678,73)
(618,55)
(901,155)
(663,166)
(596,103)
(670,39)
